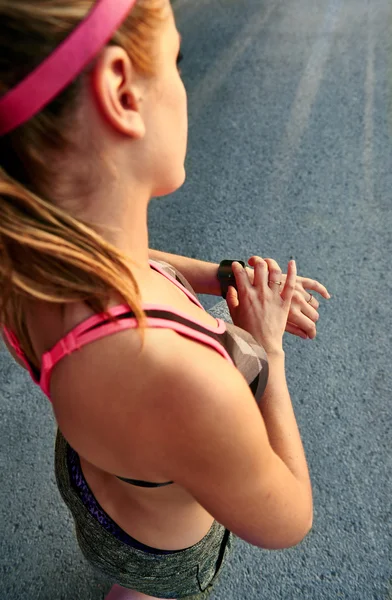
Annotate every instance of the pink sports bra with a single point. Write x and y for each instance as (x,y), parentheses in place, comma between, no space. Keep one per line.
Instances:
(99,326)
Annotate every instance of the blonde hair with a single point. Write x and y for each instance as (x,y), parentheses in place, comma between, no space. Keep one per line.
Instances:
(45,253)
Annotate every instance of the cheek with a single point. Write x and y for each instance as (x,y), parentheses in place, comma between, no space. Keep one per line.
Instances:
(176,119)
(184,97)
(174,144)
(182,109)
(178,95)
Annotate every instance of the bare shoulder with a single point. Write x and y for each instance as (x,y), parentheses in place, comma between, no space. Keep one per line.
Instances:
(122,395)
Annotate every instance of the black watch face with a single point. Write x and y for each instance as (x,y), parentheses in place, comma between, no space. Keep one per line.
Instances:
(226,265)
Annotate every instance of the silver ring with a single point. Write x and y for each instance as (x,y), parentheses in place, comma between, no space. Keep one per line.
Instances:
(310,299)
(275,282)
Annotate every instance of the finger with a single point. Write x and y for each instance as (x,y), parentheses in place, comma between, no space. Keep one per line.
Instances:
(260,279)
(311,301)
(306,325)
(232,298)
(289,286)
(294,330)
(274,275)
(251,275)
(315,286)
(301,296)
(241,278)
(310,312)
(253,259)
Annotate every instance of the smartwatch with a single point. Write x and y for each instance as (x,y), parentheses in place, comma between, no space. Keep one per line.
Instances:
(226,275)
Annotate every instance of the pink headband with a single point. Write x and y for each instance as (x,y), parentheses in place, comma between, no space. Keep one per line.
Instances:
(57,71)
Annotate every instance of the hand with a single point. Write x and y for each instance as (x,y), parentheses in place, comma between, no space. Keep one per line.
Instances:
(303,314)
(261,307)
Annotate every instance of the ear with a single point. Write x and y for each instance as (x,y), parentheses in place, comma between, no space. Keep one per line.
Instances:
(117,89)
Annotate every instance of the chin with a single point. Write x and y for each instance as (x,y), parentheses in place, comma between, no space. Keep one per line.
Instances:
(171,186)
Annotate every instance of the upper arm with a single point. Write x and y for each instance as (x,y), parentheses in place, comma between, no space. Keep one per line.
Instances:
(216,446)
(193,420)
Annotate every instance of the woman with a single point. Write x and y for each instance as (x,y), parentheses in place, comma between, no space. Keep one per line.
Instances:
(163,452)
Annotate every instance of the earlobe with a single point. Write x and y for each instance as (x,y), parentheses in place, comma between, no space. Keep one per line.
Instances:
(115,88)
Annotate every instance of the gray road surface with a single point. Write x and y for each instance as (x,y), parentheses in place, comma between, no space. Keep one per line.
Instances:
(290,155)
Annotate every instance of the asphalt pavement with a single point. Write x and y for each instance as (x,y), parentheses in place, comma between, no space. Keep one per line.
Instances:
(290,155)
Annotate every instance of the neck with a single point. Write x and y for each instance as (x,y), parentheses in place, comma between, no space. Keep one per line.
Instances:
(121,217)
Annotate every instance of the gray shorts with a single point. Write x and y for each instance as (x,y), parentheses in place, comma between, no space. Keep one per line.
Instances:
(185,574)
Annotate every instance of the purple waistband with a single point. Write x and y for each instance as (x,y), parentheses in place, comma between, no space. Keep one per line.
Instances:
(81,486)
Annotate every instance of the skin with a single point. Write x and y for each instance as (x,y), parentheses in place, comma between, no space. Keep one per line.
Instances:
(108,397)
(303,313)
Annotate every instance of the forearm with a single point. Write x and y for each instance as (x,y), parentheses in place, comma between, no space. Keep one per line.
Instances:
(280,421)
(201,275)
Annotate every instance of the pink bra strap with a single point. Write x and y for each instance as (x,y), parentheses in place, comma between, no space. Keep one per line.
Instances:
(84,333)
(72,342)
(13,342)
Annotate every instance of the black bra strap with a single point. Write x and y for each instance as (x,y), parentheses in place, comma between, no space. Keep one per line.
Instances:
(146,484)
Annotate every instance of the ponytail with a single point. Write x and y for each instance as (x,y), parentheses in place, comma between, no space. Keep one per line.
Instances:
(48,255)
